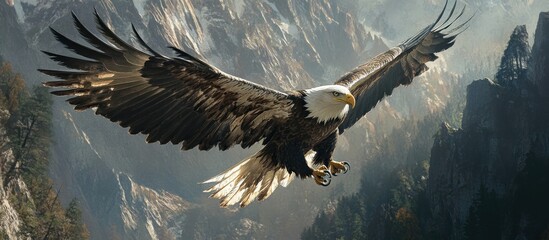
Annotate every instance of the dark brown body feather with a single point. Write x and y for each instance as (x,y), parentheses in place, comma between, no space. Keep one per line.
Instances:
(302,131)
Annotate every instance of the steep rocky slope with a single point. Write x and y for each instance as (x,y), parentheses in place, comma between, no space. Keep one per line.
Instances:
(502,123)
(10,222)
(538,71)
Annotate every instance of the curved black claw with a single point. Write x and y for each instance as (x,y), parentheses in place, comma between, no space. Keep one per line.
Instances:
(347,167)
(322,176)
(326,179)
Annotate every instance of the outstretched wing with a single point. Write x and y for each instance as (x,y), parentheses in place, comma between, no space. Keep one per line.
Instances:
(377,78)
(178,100)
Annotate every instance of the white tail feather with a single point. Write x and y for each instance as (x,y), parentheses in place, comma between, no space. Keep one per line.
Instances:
(255,177)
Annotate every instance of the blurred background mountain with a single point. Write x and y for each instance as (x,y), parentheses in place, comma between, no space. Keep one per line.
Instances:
(403,181)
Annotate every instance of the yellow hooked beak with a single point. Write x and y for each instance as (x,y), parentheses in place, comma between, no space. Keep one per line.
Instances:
(347,98)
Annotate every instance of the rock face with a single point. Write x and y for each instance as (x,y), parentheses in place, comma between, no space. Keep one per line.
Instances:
(501,124)
(158,211)
(486,150)
(10,221)
(539,73)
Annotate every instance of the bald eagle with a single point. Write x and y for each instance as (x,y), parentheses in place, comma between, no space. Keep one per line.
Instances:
(184,100)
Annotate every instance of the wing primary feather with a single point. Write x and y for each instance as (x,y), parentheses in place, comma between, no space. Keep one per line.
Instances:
(112,37)
(76,63)
(91,38)
(441,47)
(77,47)
(441,13)
(443,27)
(414,40)
(461,26)
(65,84)
(451,12)
(460,31)
(66,74)
(76,92)
(144,44)
(187,56)
(118,55)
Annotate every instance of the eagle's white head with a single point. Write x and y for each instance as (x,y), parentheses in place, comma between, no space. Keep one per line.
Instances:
(329,102)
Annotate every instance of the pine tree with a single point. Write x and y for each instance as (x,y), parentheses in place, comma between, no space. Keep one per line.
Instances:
(12,86)
(358,228)
(76,230)
(515,58)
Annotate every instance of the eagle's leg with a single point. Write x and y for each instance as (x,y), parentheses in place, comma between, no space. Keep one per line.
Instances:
(324,151)
(290,155)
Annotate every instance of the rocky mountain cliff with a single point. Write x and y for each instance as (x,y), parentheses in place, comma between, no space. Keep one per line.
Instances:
(502,122)
(538,72)
(10,222)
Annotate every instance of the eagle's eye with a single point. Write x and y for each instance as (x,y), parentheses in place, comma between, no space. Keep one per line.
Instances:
(336,94)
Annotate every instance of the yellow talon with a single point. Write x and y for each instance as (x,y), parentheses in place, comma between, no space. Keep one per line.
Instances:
(338,167)
(322,176)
